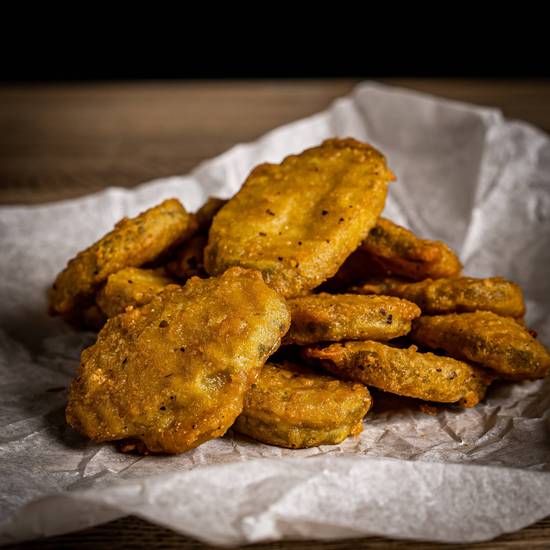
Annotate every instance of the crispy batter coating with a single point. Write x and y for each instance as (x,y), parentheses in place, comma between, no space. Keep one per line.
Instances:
(495,342)
(205,214)
(453,294)
(292,406)
(334,317)
(401,252)
(403,371)
(299,220)
(188,259)
(358,267)
(131,286)
(131,243)
(172,374)
(393,250)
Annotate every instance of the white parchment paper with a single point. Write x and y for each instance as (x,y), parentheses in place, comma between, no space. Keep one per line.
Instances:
(465,175)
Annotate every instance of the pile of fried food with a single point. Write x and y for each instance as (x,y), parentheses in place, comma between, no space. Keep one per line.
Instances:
(194,309)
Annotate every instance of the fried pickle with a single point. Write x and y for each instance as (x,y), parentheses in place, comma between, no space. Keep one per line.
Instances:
(131,243)
(131,286)
(453,295)
(292,406)
(495,342)
(188,259)
(390,250)
(87,318)
(93,318)
(401,252)
(173,373)
(404,372)
(335,317)
(205,214)
(298,221)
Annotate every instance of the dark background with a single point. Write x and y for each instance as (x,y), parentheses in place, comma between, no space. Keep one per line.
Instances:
(276,41)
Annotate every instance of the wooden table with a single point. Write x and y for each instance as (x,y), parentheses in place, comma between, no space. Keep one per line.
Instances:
(61,141)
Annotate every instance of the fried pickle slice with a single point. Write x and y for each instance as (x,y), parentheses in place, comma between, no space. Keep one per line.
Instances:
(205,214)
(93,318)
(392,250)
(87,318)
(333,317)
(188,261)
(453,295)
(495,342)
(131,243)
(298,221)
(401,252)
(173,373)
(131,286)
(404,372)
(293,406)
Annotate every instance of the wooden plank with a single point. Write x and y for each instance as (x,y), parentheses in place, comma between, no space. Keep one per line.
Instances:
(61,141)
(132,532)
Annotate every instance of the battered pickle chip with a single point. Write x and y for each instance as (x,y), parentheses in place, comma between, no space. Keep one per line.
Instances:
(87,318)
(292,406)
(298,221)
(131,243)
(205,214)
(93,318)
(403,371)
(401,252)
(188,260)
(131,287)
(453,295)
(334,317)
(173,373)
(495,342)
(393,250)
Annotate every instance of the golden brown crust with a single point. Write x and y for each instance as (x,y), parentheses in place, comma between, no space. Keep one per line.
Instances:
(403,371)
(131,243)
(334,317)
(495,342)
(392,250)
(131,286)
(297,221)
(173,373)
(401,252)
(453,295)
(292,406)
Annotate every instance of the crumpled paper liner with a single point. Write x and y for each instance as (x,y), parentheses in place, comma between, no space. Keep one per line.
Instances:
(465,175)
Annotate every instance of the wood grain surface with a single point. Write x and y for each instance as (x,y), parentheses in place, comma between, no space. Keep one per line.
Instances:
(60,141)
(65,141)
(132,532)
